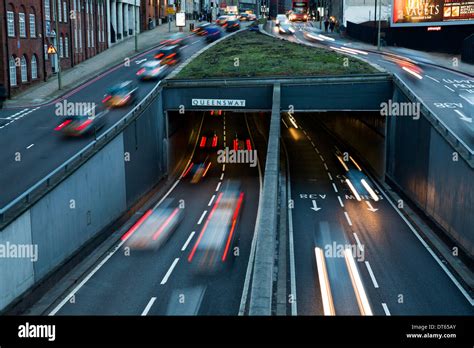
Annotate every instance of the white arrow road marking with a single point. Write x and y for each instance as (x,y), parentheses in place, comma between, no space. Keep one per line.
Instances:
(370,207)
(315,206)
(463,117)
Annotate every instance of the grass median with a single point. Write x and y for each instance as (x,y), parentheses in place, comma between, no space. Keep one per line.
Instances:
(251,54)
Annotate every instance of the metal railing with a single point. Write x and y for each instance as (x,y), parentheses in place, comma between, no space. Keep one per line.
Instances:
(38,190)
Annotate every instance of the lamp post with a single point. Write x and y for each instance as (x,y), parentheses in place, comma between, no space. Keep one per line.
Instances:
(136,25)
(56,20)
(379,24)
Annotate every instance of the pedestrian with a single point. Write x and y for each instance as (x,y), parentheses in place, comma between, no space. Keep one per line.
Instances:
(326,24)
(3,94)
(332,24)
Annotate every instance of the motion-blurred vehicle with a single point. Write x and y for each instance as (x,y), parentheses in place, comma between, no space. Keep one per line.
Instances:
(88,123)
(222,20)
(252,17)
(299,10)
(286,28)
(213,33)
(406,65)
(197,170)
(213,249)
(232,25)
(152,70)
(168,55)
(180,39)
(121,94)
(200,30)
(244,17)
(209,140)
(241,144)
(155,227)
(281,18)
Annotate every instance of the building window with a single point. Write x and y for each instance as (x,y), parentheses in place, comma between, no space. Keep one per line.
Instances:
(61,48)
(22,24)
(23,69)
(34,68)
(66,47)
(32,25)
(47,10)
(12,71)
(59,11)
(11,23)
(65,11)
(46,55)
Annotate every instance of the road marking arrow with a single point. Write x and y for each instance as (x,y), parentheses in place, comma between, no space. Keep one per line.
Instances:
(322,196)
(371,208)
(315,206)
(463,117)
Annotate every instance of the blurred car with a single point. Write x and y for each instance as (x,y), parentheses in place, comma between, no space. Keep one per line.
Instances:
(281,18)
(168,55)
(286,28)
(121,94)
(244,17)
(197,169)
(241,144)
(222,20)
(213,249)
(406,65)
(155,227)
(254,27)
(86,124)
(252,17)
(152,70)
(213,33)
(209,140)
(180,39)
(201,29)
(232,25)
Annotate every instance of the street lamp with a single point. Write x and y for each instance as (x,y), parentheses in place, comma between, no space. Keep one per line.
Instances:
(56,20)
(136,25)
(379,24)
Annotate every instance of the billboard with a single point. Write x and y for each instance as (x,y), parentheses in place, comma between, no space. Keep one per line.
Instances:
(408,13)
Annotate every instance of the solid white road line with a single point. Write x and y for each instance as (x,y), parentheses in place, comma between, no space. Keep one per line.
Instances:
(148,306)
(291,246)
(202,217)
(385,309)
(359,244)
(167,275)
(334,186)
(348,218)
(372,276)
(427,247)
(322,158)
(218,186)
(340,201)
(188,241)
(452,90)
(212,200)
(432,78)
(285,123)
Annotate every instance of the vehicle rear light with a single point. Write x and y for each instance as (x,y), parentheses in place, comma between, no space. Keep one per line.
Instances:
(107,98)
(141,71)
(83,125)
(236,144)
(220,112)
(207,168)
(214,141)
(170,55)
(249,145)
(62,125)
(212,112)
(203,142)
(159,55)
(187,170)
(225,25)
(156,70)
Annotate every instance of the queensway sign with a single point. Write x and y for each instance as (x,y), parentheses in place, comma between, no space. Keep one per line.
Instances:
(218,102)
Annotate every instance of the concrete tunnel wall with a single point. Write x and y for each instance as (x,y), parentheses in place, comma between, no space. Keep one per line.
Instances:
(103,188)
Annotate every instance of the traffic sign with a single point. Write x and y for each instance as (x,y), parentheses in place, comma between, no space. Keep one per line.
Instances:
(170,10)
(51,49)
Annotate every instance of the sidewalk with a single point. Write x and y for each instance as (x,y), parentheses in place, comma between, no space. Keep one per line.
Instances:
(86,70)
(436,58)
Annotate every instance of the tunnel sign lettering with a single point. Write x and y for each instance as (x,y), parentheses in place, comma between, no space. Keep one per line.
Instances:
(218,102)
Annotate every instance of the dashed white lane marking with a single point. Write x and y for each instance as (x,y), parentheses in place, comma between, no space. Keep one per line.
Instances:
(431,78)
(218,186)
(224,138)
(167,275)
(322,158)
(334,186)
(452,90)
(340,201)
(359,245)
(30,146)
(224,132)
(222,176)
(326,166)
(148,306)
(202,217)
(372,276)
(188,241)
(348,218)
(15,115)
(223,167)
(312,144)
(330,176)
(212,200)
(317,150)
(285,123)
(385,309)
(304,132)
